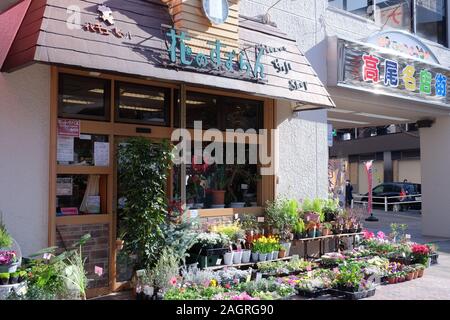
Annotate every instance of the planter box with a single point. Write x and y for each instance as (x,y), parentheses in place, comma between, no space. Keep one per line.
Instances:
(434,258)
(352,295)
(312,294)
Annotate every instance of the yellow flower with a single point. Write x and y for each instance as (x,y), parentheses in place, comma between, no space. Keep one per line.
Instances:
(213,283)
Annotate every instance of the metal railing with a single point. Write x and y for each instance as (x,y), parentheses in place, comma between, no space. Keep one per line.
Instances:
(386,201)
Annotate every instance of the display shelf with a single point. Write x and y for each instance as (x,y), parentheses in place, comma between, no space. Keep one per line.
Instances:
(243,265)
(229,211)
(74,169)
(84,219)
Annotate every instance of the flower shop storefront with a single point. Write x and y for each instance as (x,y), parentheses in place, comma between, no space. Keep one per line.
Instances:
(118,72)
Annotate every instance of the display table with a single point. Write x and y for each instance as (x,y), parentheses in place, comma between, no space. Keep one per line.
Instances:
(334,237)
(244,265)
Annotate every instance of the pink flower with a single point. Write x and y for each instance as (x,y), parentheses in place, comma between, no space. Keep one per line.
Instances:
(173,281)
(381,235)
(335,270)
(308,268)
(368,235)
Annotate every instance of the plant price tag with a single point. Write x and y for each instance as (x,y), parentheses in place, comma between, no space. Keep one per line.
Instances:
(408,236)
(219,262)
(261,219)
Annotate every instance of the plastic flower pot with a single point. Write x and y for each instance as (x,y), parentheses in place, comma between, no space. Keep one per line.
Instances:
(246,254)
(4,279)
(282,254)
(10,268)
(287,247)
(275,255)
(228,258)
(237,257)
(255,256)
(262,257)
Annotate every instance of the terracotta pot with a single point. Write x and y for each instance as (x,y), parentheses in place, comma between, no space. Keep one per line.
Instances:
(420,273)
(281,254)
(392,280)
(415,274)
(410,276)
(218,197)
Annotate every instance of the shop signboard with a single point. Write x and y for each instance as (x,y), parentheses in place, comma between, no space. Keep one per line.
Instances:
(371,68)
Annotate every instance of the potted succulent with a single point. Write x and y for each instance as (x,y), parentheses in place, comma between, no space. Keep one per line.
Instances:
(4,278)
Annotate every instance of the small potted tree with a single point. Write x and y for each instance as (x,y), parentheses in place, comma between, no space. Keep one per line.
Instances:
(220,184)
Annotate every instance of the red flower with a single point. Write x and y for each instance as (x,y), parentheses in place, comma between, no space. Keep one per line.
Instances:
(420,249)
(368,235)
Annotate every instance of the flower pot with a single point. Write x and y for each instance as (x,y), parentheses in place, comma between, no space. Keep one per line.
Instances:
(282,254)
(237,257)
(287,247)
(246,256)
(262,257)
(275,255)
(9,268)
(420,273)
(415,274)
(228,258)
(410,276)
(4,281)
(255,256)
(237,204)
(218,197)
(392,280)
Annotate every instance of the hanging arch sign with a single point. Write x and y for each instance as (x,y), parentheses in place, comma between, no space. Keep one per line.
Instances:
(405,43)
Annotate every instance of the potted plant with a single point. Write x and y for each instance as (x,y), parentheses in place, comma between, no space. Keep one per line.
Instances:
(299,229)
(282,252)
(326,229)
(246,254)
(237,256)
(8,261)
(4,278)
(313,229)
(282,215)
(22,276)
(14,277)
(220,184)
(420,254)
(392,278)
(420,270)
(228,258)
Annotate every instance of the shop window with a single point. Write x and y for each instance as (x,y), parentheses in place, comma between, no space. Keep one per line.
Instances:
(363,8)
(85,150)
(221,112)
(223,185)
(80,194)
(431,20)
(142,104)
(83,97)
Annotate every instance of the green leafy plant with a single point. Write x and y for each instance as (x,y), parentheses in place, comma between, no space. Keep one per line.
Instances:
(165,269)
(282,215)
(299,226)
(144,168)
(5,238)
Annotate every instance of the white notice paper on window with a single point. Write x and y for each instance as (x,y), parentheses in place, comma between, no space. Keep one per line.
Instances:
(215,9)
(65,149)
(64,187)
(101,154)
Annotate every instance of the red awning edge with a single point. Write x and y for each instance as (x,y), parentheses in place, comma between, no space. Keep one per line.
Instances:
(10,21)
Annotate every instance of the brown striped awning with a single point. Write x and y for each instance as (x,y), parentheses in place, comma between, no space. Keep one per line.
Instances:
(136,44)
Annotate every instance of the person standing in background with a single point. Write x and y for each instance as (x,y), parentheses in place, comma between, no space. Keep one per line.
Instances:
(348,193)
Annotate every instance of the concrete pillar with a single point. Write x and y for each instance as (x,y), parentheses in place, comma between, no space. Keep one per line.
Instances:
(388,170)
(435,161)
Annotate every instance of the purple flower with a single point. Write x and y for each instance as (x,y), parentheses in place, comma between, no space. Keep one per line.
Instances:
(7,257)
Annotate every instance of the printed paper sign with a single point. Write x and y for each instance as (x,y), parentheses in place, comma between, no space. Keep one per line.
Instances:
(65,149)
(194,214)
(101,154)
(260,219)
(219,262)
(69,128)
(93,204)
(64,187)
